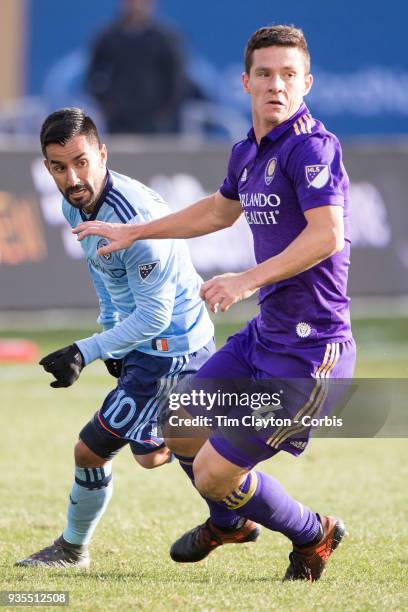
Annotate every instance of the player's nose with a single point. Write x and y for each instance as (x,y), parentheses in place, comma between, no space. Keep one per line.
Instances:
(275,83)
(72,177)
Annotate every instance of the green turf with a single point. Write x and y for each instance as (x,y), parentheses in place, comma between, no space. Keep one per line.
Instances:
(382,343)
(364,481)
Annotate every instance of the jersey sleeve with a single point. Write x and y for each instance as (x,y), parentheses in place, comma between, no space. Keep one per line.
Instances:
(108,315)
(151,274)
(229,188)
(316,170)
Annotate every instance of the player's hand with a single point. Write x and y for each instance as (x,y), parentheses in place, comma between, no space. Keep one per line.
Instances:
(65,364)
(114,367)
(120,235)
(224,290)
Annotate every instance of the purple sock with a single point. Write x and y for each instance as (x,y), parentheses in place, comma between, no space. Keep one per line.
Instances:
(261,498)
(220,516)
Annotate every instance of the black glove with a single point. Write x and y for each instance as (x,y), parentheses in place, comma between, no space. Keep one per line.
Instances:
(65,364)
(114,367)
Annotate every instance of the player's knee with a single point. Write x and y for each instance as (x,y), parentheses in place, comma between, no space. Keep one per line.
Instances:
(208,483)
(153,460)
(84,457)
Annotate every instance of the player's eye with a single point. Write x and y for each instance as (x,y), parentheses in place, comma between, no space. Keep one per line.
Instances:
(82,163)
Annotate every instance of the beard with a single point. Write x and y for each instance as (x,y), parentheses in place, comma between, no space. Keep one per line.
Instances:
(88,199)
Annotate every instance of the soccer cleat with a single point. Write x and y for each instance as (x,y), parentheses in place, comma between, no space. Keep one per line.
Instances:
(60,554)
(310,563)
(197,543)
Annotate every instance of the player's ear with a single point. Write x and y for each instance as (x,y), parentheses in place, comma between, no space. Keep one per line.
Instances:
(308,83)
(103,153)
(245,82)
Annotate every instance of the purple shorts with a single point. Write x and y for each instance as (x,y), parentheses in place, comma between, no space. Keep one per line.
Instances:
(301,376)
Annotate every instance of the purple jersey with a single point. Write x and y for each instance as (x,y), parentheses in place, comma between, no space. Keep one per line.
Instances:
(297,166)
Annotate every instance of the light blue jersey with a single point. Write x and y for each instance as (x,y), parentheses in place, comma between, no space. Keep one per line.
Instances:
(149,293)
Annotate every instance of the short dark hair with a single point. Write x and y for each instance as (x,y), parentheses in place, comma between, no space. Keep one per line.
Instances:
(64,124)
(279,36)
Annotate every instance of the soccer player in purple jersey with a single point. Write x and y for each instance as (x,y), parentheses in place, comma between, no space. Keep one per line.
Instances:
(288,179)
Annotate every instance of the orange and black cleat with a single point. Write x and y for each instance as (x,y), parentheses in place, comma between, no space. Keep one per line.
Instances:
(310,563)
(197,543)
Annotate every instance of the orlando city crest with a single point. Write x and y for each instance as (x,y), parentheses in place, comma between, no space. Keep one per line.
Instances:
(101,243)
(317,176)
(303,329)
(270,170)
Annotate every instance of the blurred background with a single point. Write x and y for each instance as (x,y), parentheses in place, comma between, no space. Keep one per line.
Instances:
(162,80)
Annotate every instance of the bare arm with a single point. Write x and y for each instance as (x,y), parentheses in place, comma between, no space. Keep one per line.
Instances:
(322,237)
(208,215)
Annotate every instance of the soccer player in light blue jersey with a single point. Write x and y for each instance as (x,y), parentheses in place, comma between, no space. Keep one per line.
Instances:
(155,326)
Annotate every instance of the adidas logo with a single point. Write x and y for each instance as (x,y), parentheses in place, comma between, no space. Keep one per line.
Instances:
(244,176)
(298,444)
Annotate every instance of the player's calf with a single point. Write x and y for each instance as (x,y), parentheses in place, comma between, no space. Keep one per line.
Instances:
(155,459)
(86,458)
(89,497)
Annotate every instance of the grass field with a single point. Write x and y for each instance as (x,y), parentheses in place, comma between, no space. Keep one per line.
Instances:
(364,481)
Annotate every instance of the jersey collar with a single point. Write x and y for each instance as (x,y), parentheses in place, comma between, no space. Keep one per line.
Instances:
(277,132)
(106,190)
